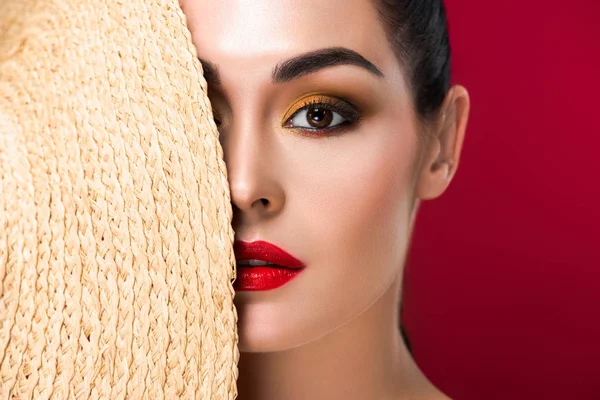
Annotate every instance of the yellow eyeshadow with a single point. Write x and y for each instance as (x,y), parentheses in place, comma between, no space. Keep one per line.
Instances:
(303,102)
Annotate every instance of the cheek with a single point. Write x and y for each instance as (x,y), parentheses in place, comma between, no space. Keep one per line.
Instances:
(361,207)
(356,214)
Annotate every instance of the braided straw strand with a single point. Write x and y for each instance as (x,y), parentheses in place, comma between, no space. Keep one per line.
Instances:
(116,246)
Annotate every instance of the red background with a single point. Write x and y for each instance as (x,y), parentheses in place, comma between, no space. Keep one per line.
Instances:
(502,295)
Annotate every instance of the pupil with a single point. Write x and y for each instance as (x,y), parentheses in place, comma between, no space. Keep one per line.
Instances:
(318,115)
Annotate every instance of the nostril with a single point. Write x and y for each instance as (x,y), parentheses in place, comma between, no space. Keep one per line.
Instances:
(264,201)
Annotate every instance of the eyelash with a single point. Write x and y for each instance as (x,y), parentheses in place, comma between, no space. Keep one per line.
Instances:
(347,110)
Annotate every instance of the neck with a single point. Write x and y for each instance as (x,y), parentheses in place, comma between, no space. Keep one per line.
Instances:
(364,359)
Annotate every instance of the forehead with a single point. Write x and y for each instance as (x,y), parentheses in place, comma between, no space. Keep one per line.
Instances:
(255,31)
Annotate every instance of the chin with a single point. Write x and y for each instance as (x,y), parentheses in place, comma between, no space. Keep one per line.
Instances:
(262,338)
(253,342)
(262,329)
(247,345)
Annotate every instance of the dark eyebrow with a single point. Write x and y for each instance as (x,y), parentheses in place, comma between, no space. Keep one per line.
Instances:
(304,64)
(316,60)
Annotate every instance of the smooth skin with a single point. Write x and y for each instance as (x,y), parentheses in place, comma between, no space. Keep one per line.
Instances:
(342,199)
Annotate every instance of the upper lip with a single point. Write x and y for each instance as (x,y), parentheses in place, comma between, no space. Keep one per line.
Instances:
(265,251)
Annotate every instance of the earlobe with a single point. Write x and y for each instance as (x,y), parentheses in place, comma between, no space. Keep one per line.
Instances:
(443,149)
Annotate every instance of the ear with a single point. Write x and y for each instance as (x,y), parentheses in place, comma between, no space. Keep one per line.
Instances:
(442,148)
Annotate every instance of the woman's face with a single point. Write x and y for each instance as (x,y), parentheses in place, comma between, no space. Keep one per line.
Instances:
(333,183)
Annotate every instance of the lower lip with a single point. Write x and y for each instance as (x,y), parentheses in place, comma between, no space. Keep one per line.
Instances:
(263,278)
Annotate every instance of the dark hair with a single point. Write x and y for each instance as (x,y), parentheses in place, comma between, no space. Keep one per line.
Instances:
(418,32)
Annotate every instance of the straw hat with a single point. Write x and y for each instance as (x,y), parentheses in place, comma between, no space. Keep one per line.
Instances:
(116,256)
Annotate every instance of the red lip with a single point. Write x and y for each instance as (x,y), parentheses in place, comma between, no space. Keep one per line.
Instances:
(266,252)
(268,276)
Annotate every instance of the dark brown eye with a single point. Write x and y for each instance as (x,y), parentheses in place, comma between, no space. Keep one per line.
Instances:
(319,118)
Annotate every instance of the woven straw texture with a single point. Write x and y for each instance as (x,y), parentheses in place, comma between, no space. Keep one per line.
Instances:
(116,256)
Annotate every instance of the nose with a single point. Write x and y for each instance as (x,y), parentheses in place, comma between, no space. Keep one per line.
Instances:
(256,192)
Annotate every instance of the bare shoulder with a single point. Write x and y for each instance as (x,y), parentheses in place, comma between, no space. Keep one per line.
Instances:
(438,396)
(432,394)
